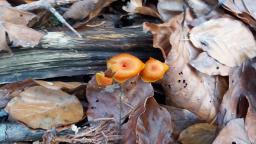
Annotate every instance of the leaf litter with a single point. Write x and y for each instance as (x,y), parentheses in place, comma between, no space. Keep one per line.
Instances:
(208,89)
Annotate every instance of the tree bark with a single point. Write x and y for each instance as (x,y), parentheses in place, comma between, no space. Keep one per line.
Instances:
(61,55)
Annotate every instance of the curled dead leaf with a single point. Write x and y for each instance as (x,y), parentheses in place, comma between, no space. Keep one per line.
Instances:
(154,124)
(243,9)
(233,133)
(181,119)
(39,107)
(104,102)
(185,87)
(201,133)
(86,9)
(136,6)
(169,8)
(227,40)
(239,101)
(206,64)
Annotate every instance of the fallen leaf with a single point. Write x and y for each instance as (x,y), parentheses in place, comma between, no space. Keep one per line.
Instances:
(154,125)
(169,8)
(4,3)
(201,133)
(181,119)
(206,64)
(15,16)
(58,85)
(136,6)
(239,101)
(86,9)
(227,40)
(104,102)
(9,91)
(39,107)
(129,128)
(185,87)
(233,133)
(20,35)
(243,9)
(202,8)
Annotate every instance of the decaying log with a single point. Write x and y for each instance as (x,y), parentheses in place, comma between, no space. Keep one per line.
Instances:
(61,55)
(15,132)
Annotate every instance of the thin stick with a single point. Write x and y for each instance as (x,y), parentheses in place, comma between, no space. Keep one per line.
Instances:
(48,5)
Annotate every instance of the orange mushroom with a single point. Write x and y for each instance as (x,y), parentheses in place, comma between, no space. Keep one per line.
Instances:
(124,66)
(154,70)
(102,80)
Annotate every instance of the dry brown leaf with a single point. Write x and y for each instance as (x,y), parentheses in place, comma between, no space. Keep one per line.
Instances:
(239,101)
(154,124)
(8,91)
(185,87)
(104,102)
(206,64)
(243,9)
(86,9)
(21,35)
(227,40)
(169,8)
(233,133)
(181,119)
(136,6)
(58,85)
(161,34)
(15,16)
(201,133)
(39,107)
(129,128)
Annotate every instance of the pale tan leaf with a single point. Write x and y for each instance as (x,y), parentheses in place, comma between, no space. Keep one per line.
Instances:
(227,40)
(206,64)
(233,133)
(136,6)
(21,35)
(201,133)
(185,87)
(86,9)
(15,16)
(39,107)
(239,101)
(243,9)
(169,8)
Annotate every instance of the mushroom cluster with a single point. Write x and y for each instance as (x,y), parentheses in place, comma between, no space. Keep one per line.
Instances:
(126,66)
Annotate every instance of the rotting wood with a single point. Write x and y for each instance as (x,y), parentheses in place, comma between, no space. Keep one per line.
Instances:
(61,55)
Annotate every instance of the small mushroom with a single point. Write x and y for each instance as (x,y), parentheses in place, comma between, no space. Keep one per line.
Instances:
(102,80)
(154,70)
(125,66)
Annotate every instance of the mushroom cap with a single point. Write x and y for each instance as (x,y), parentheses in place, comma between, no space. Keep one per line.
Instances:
(125,66)
(154,70)
(102,80)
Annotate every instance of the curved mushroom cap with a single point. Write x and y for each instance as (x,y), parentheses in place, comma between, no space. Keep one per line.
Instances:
(154,70)
(102,80)
(125,66)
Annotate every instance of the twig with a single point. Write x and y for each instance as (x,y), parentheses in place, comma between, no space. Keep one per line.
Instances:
(49,5)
